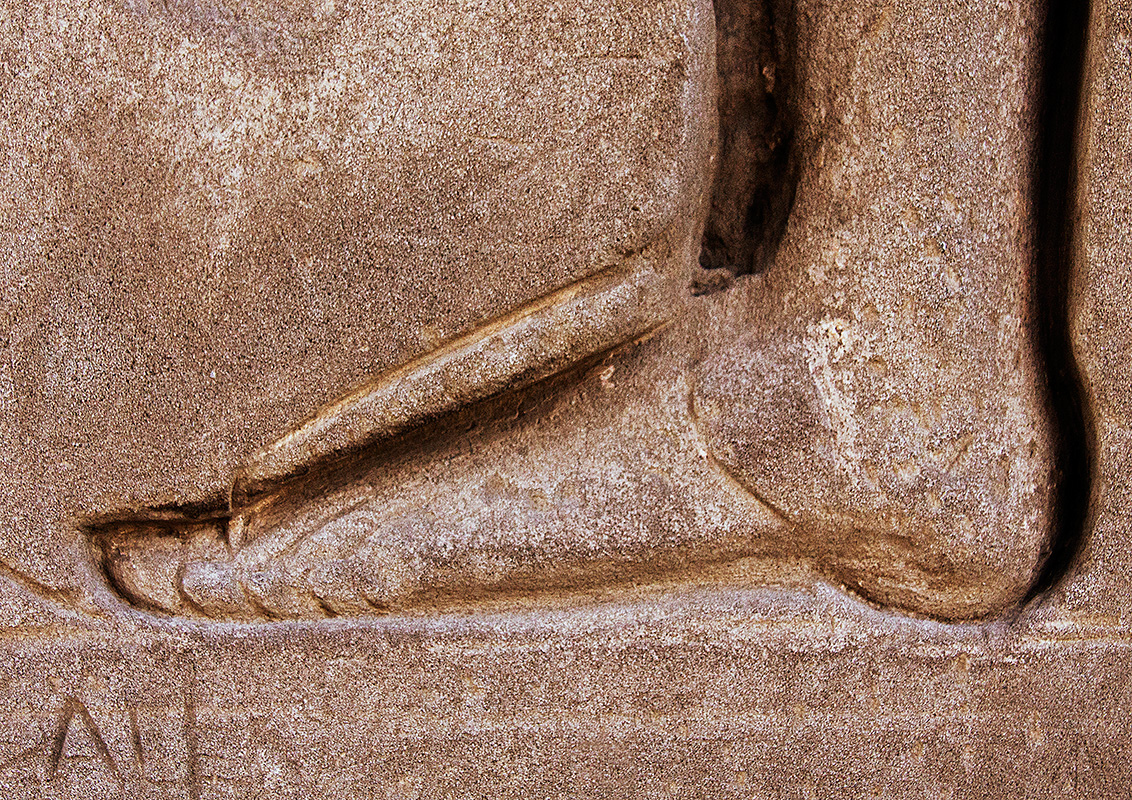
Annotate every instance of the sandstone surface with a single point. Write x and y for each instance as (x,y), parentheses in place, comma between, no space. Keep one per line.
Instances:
(885,392)
(462,398)
(1098,590)
(222,218)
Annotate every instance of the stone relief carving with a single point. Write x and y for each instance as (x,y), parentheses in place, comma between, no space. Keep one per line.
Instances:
(728,366)
(669,398)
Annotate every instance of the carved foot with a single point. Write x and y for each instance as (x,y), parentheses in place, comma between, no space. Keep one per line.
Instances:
(601,486)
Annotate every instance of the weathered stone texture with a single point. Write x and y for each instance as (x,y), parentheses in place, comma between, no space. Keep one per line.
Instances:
(886,394)
(460,398)
(1098,591)
(222,217)
(726,695)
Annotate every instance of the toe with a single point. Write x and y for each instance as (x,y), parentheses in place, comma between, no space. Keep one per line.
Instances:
(212,587)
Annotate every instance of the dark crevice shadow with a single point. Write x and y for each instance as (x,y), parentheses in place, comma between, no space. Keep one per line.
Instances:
(756,171)
(1054,182)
